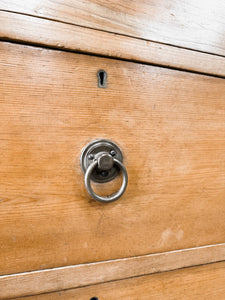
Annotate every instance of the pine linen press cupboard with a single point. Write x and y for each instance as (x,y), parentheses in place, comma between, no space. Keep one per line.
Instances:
(112,164)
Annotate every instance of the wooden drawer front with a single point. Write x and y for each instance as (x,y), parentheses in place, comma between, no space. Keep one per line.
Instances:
(192,24)
(204,282)
(170,127)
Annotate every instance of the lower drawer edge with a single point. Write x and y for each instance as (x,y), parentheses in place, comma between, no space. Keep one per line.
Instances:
(70,277)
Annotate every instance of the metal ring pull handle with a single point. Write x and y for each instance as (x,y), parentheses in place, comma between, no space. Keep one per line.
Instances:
(102,161)
(113,196)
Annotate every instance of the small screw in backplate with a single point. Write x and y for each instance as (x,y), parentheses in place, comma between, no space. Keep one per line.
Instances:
(91,157)
(113,152)
(104,173)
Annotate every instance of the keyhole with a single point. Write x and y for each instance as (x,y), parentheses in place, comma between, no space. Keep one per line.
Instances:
(102,76)
(94,298)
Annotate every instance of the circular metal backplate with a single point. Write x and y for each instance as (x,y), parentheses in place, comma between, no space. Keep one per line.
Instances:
(91,152)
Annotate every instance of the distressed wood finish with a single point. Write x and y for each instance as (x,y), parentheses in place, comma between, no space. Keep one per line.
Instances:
(39,31)
(204,282)
(170,127)
(39,282)
(194,24)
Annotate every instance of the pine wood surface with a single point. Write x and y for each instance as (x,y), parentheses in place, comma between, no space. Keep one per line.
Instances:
(170,127)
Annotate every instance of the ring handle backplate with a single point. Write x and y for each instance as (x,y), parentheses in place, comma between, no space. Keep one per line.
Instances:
(102,161)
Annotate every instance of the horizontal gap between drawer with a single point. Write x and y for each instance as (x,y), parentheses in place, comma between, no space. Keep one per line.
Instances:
(108,31)
(6,40)
(38,31)
(63,278)
(119,280)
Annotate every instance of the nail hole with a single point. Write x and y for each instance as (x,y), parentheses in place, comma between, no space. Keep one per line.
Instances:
(94,298)
(102,76)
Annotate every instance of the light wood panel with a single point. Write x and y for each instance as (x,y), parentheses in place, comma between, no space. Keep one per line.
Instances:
(170,127)
(39,282)
(194,24)
(32,30)
(204,282)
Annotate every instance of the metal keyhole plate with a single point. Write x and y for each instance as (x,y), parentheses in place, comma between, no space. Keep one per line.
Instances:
(92,151)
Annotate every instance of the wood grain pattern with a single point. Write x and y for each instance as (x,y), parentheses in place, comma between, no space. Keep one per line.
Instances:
(170,127)
(39,282)
(194,24)
(32,30)
(204,282)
